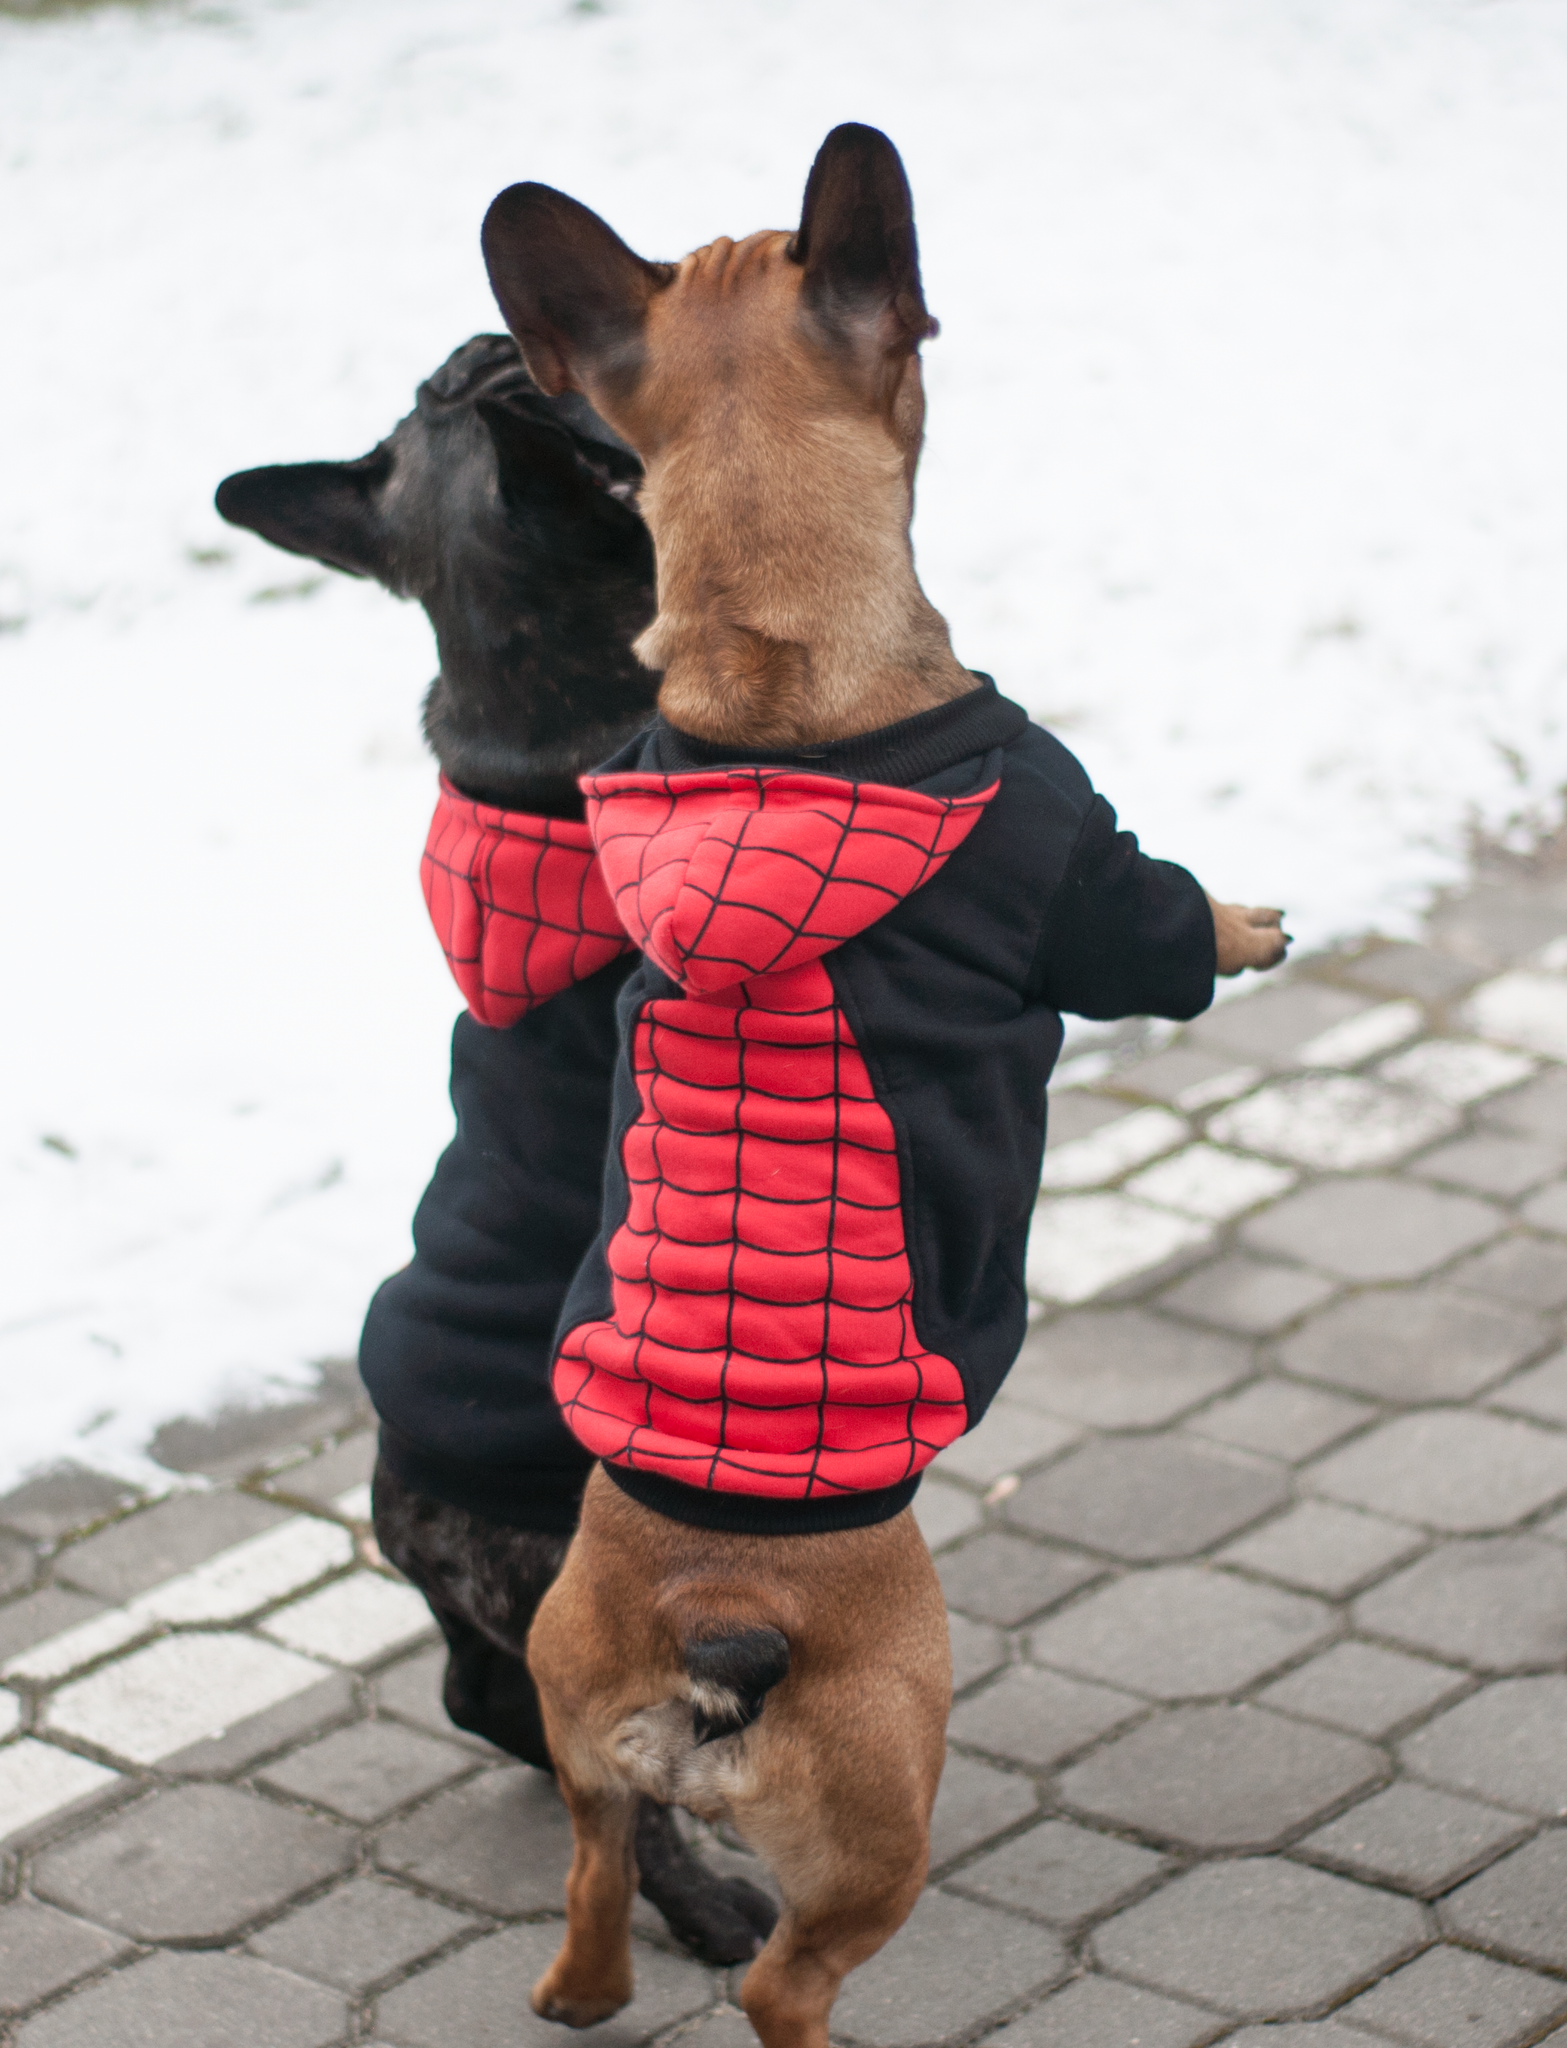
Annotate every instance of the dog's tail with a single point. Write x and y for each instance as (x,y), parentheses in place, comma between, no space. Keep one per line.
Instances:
(731,1672)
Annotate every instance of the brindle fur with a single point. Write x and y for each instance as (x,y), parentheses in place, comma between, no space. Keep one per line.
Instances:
(772,389)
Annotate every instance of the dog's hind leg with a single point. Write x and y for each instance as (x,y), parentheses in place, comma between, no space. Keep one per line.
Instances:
(790,1988)
(590,1977)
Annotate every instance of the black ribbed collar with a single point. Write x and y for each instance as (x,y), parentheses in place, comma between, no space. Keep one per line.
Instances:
(897,755)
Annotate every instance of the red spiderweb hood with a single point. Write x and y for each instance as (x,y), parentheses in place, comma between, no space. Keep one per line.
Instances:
(518,905)
(723,874)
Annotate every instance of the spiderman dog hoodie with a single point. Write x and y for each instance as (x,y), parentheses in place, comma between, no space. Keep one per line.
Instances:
(829,1107)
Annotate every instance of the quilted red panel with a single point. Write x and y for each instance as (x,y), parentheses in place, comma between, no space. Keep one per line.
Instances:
(518,904)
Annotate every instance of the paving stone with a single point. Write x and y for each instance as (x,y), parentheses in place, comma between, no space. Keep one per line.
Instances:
(1010,1438)
(1334,1123)
(929,1981)
(1277,1418)
(359,1934)
(53,1504)
(1548,1209)
(42,1950)
(181,1691)
(1097,2012)
(1492,1164)
(1144,1498)
(1493,923)
(310,1712)
(1372,1229)
(1205,1181)
(240,1439)
(975,1802)
(1537,1111)
(502,1843)
(728,2028)
(1187,1078)
(1499,1603)
(191,2001)
(944,1513)
(365,1771)
(39,1782)
(1060,1873)
(1528,1272)
(1415,1839)
(487,1984)
(51,1611)
(1507,1743)
(18,1563)
(1522,1009)
(1518,1906)
(1453,1469)
(1035,1717)
(1248,1296)
(1364,1688)
(412,1691)
(1221,1777)
(1270,1025)
(1259,1937)
(1427,1344)
(1007,1579)
(1182,1633)
(1112,1149)
(162,1541)
(1457,1070)
(1449,1998)
(1325,1549)
(1403,969)
(1085,1245)
(1123,1369)
(326,1478)
(195,1863)
(976,1650)
(354,1621)
(1361,1038)
(1304,2034)
(1072,1113)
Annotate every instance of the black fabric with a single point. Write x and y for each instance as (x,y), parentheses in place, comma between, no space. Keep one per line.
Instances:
(955,1001)
(456,1347)
(754,1514)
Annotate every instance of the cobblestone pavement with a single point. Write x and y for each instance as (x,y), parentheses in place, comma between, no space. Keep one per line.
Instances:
(1258,1578)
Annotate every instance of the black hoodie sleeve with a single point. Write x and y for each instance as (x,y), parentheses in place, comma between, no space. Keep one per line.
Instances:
(1125,936)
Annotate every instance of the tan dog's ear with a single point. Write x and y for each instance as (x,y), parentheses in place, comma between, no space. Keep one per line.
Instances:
(861,290)
(571,291)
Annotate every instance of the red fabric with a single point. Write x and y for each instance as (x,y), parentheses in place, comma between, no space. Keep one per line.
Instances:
(762,1338)
(518,905)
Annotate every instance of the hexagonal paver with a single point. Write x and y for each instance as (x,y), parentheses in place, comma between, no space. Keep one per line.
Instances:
(51,1504)
(1415,1839)
(1529,1272)
(18,1562)
(367,1770)
(1083,1245)
(1147,1497)
(974,1802)
(358,1934)
(1182,1633)
(1334,1123)
(1372,1229)
(488,1983)
(1097,2012)
(1325,1549)
(976,1649)
(1522,1009)
(1259,1937)
(190,2001)
(1541,1391)
(1060,1873)
(1539,1110)
(1449,1998)
(466,1843)
(1270,1024)
(950,1966)
(1507,1743)
(1007,1579)
(1365,1688)
(1304,2034)
(1497,1602)
(1009,1439)
(1277,1418)
(1451,1469)
(163,1541)
(1492,1163)
(944,1513)
(1519,1906)
(1220,1777)
(1122,1368)
(1252,1297)
(1036,1717)
(1426,1344)
(1548,1209)
(194,1863)
(1457,1070)
(43,1951)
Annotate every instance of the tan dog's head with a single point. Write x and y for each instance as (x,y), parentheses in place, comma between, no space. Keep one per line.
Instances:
(772,388)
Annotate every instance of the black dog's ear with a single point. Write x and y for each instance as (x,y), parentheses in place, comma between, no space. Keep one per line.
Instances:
(573,294)
(327,510)
(856,243)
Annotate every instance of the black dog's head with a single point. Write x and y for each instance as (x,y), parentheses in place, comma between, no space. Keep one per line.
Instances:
(511,517)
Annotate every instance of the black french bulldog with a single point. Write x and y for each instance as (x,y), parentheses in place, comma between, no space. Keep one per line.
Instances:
(511,518)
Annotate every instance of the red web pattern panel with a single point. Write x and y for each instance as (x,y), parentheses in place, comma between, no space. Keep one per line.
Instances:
(745,871)
(763,1338)
(518,904)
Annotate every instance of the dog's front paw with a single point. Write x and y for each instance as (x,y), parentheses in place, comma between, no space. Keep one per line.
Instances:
(552,2002)
(1247,937)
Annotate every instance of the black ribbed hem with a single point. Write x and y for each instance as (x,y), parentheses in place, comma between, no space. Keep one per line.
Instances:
(896,755)
(759,1514)
(547,1498)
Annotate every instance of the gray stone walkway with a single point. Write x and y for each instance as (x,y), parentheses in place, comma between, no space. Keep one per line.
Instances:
(1258,1578)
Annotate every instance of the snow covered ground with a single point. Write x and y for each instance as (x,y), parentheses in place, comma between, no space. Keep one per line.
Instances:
(1245,469)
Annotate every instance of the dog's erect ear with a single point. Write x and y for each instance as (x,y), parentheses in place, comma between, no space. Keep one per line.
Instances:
(327,510)
(573,294)
(856,244)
